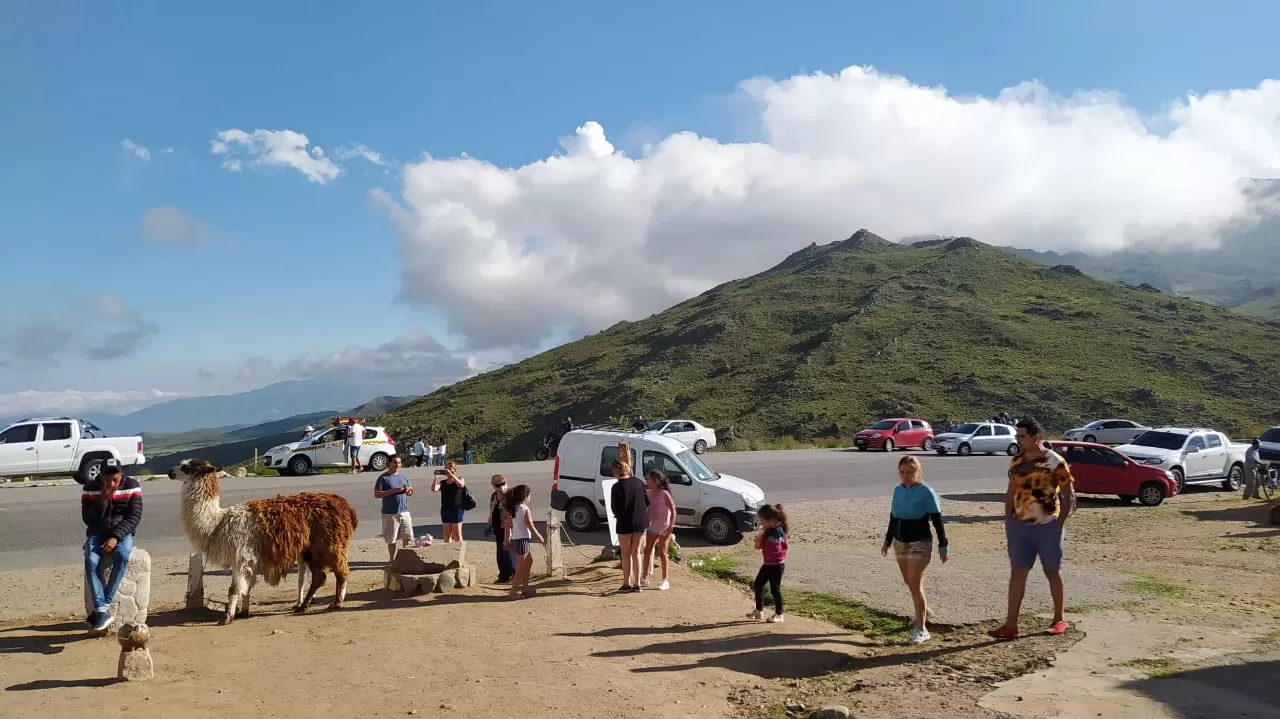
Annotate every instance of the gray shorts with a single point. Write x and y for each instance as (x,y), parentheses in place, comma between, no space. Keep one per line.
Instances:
(520,547)
(1029,541)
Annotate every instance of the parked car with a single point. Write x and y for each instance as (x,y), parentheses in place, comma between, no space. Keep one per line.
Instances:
(328,448)
(723,506)
(63,445)
(891,434)
(687,432)
(1099,469)
(1269,445)
(1191,455)
(977,437)
(1106,431)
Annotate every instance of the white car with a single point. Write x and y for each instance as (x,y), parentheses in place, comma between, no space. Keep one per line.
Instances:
(977,438)
(328,448)
(63,445)
(723,506)
(1106,431)
(1190,456)
(687,432)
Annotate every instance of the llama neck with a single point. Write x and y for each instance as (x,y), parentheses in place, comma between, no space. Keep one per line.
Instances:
(201,512)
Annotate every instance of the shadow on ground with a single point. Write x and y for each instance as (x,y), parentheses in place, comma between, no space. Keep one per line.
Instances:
(1199,693)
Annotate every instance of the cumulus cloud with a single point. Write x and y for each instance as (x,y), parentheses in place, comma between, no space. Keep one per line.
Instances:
(274,148)
(584,238)
(171,225)
(76,402)
(353,151)
(138,151)
(101,328)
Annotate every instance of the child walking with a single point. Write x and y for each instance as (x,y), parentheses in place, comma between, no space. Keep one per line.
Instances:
(772,543)
(662,522)
(521,534)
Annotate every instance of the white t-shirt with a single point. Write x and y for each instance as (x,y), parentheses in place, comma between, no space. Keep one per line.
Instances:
(355,435)
(520,530)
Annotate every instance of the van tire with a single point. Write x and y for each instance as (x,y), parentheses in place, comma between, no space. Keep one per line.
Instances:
(719,528)
(581,516)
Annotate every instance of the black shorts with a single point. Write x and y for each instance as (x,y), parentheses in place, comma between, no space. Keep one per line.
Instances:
(520,546)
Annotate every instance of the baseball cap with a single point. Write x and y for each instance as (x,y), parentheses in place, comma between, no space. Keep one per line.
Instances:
(110,466)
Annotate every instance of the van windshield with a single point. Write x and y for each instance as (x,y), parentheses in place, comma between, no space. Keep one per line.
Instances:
(695,465)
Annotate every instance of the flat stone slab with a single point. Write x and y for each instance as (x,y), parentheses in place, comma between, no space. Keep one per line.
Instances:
(133,598)
(435,582)
(430,560)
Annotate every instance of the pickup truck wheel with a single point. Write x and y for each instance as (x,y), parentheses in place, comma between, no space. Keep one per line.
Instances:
(1235,479)
(719,528)
(300,465)
(581,516)
(964,450)
(1179,479)
(1151,494)
(89,470)
(378,462)
(700,447)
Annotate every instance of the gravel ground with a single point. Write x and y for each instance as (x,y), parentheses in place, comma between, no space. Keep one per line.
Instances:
(835,547)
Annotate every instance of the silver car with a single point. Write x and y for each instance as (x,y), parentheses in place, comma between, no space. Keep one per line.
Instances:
(977,438)
(1106,431)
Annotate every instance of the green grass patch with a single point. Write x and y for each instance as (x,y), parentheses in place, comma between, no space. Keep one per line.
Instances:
(1154,666)
(841,611)
(1156,587)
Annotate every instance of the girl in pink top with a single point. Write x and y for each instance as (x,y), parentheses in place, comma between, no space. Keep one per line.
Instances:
(662,522)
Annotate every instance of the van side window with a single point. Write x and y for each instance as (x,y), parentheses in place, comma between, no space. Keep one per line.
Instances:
(608,455)
(666,465)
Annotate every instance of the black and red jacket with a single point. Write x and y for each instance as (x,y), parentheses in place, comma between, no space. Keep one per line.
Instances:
(116,517)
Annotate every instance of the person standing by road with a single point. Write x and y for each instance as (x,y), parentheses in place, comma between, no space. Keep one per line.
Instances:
(1253,470)
(111,507)
(418,450)
(1038,501)
(662,522)
(355,439)
(466,451)
(500,528)
(394,489)
(630,506)
(447,482)
(915,506)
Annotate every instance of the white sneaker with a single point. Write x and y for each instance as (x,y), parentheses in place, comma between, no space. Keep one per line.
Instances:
(664,586)
(775,619)
(757,614)
(919,636)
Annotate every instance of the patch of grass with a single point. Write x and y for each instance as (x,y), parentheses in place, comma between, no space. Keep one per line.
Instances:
(1156,587)
(1154,666)
(841,611)
(838,336)
(785,442)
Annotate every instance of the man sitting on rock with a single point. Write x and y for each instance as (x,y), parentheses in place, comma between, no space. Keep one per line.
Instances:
(111,507)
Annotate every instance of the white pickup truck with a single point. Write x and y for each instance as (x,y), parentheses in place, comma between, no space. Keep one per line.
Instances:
(1190,455)
(62,445)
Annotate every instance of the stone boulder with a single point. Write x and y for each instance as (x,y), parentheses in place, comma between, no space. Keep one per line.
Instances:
(834,711)
(437,582)
(430,560)
(133,598)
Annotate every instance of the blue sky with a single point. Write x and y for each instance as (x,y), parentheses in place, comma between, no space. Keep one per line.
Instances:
(292,267)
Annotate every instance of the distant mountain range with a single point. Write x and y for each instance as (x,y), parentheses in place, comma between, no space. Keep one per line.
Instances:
(227,446)
(232,411)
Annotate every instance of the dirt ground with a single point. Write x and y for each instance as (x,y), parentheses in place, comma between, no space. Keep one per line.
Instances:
(1184,626)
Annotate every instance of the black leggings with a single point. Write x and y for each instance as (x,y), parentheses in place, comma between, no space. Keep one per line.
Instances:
(771,573)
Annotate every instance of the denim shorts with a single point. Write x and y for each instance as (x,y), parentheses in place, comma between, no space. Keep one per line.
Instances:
(1029,541)
(451,516)
(352,452)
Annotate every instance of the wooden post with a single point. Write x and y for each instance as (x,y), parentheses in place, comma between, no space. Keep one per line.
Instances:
(555,545)
(195,581)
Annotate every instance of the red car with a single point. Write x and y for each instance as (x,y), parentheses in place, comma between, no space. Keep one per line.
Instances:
(1099,469)
(889,434)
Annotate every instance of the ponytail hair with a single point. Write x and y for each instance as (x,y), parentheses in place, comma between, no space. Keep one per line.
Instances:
(622,465)
(775,513)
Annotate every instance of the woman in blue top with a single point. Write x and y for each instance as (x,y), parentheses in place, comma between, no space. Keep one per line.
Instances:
(915,506)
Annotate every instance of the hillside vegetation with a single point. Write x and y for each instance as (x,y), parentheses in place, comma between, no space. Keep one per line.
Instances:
(840,335)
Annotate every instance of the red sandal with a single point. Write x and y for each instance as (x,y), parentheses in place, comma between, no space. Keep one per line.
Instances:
(1003,633)
(1059,627)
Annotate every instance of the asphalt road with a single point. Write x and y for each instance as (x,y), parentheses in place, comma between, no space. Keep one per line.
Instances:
(41,526)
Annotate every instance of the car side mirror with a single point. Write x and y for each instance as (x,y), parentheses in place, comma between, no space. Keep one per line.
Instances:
(896,430)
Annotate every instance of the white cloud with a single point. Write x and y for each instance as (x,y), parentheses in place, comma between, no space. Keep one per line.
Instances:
(274,148)
(138,151)
(349,152)
(75,402)
(171,225)
(579,240)
(97,328)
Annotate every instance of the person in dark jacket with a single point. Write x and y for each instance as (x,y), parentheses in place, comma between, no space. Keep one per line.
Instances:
(111,507)
(630,505)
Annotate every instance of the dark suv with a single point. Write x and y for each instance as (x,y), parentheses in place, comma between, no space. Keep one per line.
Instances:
(1270,445)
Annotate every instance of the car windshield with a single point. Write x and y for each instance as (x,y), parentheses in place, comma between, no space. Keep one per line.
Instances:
(966,428)
(1094,425)
(1271,435)
(695,465)
(884,424)
(656,427)
(1161,440)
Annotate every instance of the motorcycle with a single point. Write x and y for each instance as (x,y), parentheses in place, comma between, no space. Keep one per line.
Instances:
(550,445)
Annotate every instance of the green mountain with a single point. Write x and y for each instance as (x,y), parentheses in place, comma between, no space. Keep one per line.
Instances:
(236,445)
(839,335)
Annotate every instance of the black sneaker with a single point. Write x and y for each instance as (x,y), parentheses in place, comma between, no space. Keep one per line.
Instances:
(104,622)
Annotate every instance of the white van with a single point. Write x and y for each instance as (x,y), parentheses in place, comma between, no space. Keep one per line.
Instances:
(721,505)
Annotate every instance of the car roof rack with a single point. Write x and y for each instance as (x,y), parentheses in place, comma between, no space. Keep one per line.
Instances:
(607,426)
